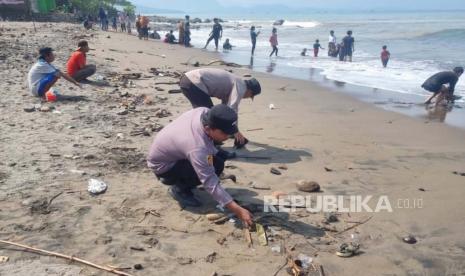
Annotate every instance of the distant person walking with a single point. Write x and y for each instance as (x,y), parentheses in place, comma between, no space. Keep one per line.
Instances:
(216,33)
(437,84)
(316,48)
(187,31)
(274,42)
(385,56)
(332,47)
(348,47)
(253,38)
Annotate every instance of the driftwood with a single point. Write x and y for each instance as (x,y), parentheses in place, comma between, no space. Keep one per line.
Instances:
(71,258)
(353,226)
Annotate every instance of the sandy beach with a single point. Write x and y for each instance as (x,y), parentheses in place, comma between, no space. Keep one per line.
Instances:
(348,146)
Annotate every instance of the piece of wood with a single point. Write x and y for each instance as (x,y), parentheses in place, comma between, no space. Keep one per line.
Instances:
(248,237)
(71,258)
(255,129)
(353,226)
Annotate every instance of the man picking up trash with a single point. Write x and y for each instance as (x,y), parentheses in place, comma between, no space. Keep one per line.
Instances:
(183,155)
(201,84)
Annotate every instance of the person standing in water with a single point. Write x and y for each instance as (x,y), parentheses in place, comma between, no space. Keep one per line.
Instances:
(385,56)
(332,48)
(316,48)
(437,84)
(274,42)
(253,38)
(348,46)
(216,33)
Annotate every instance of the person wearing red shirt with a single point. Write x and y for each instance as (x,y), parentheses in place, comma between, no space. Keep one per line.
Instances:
(77,67)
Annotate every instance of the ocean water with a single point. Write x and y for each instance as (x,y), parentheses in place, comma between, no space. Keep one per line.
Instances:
(421,44)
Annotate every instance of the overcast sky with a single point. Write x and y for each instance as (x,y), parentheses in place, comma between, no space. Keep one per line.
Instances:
(199,5)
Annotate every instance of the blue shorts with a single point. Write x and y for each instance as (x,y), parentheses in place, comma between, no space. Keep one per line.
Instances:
(44,82)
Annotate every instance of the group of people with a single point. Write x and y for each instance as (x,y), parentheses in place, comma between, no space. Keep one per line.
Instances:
(122,19)
(186,152)
(43,74)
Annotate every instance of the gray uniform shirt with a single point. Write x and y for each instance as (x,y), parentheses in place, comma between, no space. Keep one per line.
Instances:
(220,84)
(185,139)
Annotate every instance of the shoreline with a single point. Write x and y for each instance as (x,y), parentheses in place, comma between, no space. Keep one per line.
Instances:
(348,146)
(407,104)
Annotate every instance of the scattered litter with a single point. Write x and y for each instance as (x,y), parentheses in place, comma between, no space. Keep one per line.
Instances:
(305,260)
(262,239)
(78,172)
(330,217)
(283,167)
(136,248)
(409,239)
(347,250)
(174,91)
(4,259)
(212,217)
(138,267)
(254,185)
(459,173)
(276,248)
(96,187)
(29,109)
(275,171)
(328,169)
(211,257)
(308,186)
(271,106)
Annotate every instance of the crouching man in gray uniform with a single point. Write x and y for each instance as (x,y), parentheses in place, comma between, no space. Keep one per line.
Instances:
(183,155)
(200,85)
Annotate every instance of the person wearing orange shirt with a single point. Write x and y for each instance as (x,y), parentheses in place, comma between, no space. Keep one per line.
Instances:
(77,67)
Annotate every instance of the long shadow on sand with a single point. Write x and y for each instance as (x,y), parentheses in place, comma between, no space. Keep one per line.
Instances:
(265,154)
(248,199)
(70,98)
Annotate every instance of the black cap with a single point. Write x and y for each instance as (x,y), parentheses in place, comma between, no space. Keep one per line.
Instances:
(45,51)
(222,117)
(254,86)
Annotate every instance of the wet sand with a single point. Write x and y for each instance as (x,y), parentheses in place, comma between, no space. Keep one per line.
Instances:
(349,147)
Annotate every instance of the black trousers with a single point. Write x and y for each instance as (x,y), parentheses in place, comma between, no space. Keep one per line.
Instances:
(195,95)
(183,175)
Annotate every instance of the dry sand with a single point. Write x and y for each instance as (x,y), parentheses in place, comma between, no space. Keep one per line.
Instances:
(367,151)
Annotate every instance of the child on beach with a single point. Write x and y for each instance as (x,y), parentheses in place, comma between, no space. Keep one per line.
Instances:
(316,48)
(304,52)
(43,75)
(274,42)
(227,45)
(385,56)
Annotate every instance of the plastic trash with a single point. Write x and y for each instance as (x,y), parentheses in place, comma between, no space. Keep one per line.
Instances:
(96,186)
(306,260)
(276,248)
(99,78)
(271,106)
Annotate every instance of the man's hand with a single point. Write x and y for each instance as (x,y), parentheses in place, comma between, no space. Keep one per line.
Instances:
(239,138)
(243,214)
